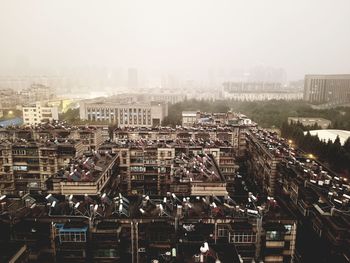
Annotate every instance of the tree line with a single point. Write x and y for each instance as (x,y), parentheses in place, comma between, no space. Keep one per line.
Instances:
(268,114)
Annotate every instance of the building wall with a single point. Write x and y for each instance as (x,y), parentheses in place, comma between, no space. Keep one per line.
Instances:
(262,164)
(38,113)
(26,167)
(236,136)
(130,115)
(327,89)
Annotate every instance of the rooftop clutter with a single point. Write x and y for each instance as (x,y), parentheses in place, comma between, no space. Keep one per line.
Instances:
(86,168)
(120,206)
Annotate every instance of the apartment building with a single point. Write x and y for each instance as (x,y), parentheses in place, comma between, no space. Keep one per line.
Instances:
(265,153)
(234,134)
(195,118)
(36,92)
(153,168)
(25,165)
(137,114)
(309,189)
(120,228)
(327,89)
(37,113)
(92,136)
(9,99)
(257,91)
(89,174)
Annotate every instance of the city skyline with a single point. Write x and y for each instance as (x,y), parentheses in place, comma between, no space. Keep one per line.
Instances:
(301,37)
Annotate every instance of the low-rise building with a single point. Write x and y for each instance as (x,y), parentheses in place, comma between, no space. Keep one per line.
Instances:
(38,113)
(154,167)
(37,92)
(120,228)
(194,118)
(25,166)
(234,134)
(137,114)
(88,174)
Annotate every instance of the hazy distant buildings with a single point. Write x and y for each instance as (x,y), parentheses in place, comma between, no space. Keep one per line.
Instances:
(234,87)
(138,114)
(37,92)
(132,78)
(8,98)
(168,97)
(38,113)
(250,91)
(327,89)
(306,121)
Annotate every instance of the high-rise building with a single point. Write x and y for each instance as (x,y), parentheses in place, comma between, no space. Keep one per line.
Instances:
(327,89)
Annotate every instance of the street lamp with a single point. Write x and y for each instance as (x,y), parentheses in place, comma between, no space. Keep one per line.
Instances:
(311,156)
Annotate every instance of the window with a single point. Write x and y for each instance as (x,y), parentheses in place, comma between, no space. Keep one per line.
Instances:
(72,236)
(137,168)
(274,235)
(20,168)
(288,228)
(243,237)
(222,231)
(106,253)
(138,177)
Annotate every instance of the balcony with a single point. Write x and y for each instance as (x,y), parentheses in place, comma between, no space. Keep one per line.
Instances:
(274,244)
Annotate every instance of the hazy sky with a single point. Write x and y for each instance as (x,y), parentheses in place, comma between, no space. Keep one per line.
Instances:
(302,36)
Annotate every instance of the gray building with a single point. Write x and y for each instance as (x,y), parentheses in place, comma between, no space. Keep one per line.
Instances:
(327,89)
(124,114)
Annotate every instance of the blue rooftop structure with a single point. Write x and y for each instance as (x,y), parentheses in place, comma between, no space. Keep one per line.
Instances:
(12,122)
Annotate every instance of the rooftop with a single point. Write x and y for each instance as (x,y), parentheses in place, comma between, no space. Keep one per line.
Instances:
(199,168)
(139,207)
(86,168)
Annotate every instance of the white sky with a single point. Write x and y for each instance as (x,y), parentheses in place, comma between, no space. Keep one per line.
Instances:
(302,36)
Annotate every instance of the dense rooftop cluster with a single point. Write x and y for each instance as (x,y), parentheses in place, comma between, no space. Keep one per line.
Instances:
(85,168)
(228,188)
